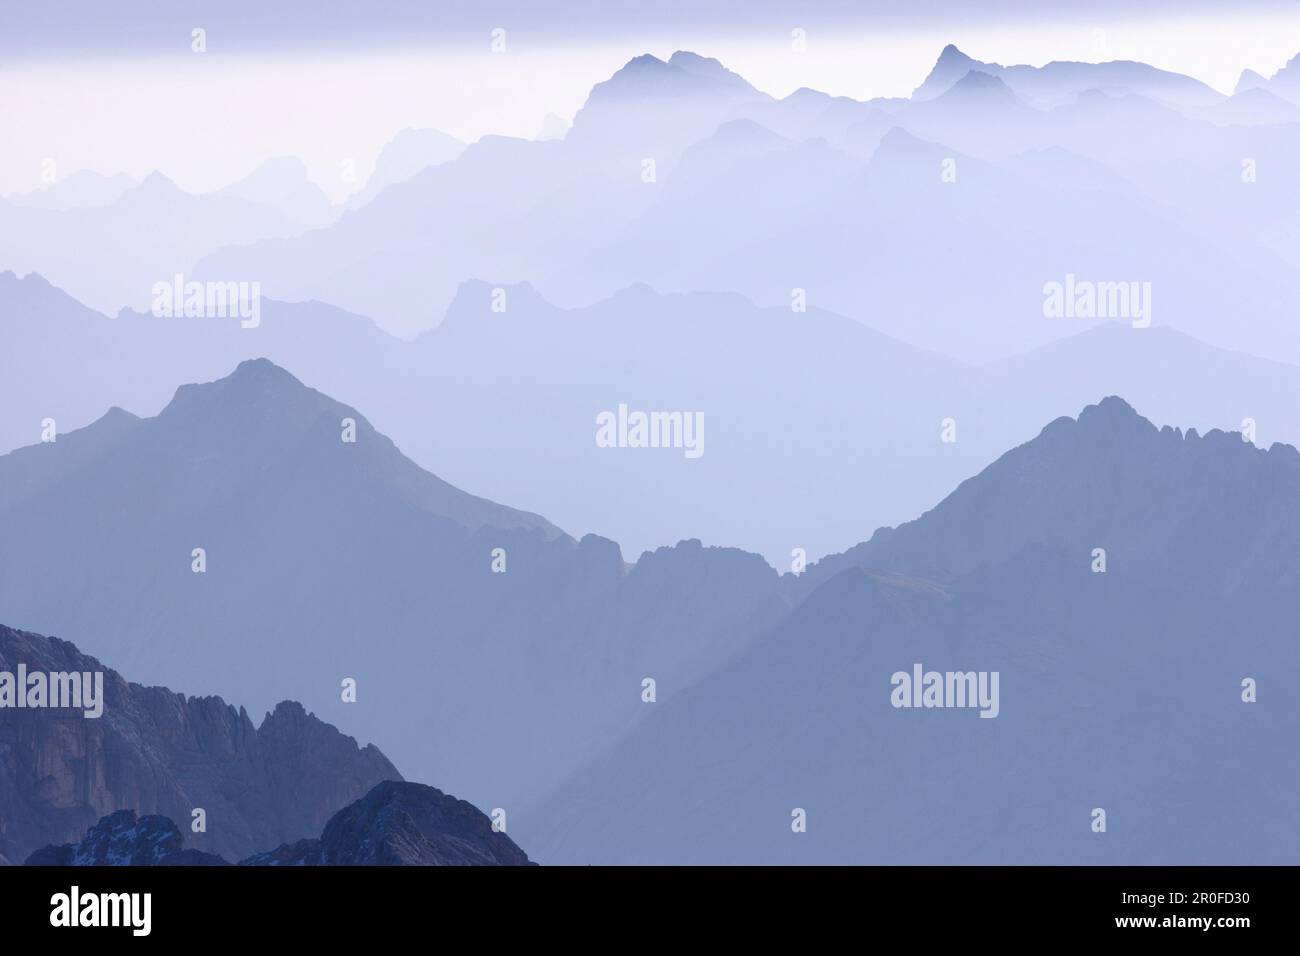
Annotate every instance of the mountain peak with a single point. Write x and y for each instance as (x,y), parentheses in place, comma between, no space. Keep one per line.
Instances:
(156,183)
(1249,80)
(1110,476)
(1105,422)
(256,408)
(979,80)
(685,74)
(644,63)
(476,300)
(902,151)
(979,87)
(402,824)
(950,54)
(744,131)
(1112,408)
(709,68)
(280,179)
(951,66)
(261,369)
(246,395)
(117,414)
(689,60)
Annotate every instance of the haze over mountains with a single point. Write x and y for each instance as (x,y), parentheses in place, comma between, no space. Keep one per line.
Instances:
(1109,171)
(1118,690)
(1088,169)
(505,403)
(328,560)
(391,499)
(138,233)
(1056,83)
(1285,83)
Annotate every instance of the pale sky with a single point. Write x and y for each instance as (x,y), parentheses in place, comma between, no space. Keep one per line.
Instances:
(208,119)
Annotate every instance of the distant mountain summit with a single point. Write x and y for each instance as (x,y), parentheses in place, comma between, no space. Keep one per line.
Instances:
(1249,80)
(1159,500)
(951,66)
(978,88)
(407,155)
(282,184)
(234,409)
(709,68)
(1284,83)
(683,74)
(1058,81)
(661,106)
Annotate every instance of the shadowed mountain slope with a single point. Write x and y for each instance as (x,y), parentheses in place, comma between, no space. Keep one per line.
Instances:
(159,752)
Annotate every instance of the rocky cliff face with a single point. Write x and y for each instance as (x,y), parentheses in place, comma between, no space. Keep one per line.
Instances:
(159,752)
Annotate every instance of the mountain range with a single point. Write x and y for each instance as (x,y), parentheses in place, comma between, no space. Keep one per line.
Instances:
(1122,686)
(680,708)
(506,402)
(902,575)
(325,561)
(682,175)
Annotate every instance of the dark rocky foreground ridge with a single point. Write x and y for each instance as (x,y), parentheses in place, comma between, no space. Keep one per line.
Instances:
(395,824)
(160,752)
(125,839)
(402,824)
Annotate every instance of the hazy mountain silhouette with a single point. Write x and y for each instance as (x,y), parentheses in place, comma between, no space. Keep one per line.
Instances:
(476,403)
(1075,488)
(693,654)
(409,152)
(328,560)
(1119,690)
(666,179)
(157,751)
(553,126)
(1284,83)
(81,190)
(651,105)
(1255,107)
(282,184)
(153,230)
(1055,82)
(1249,80)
